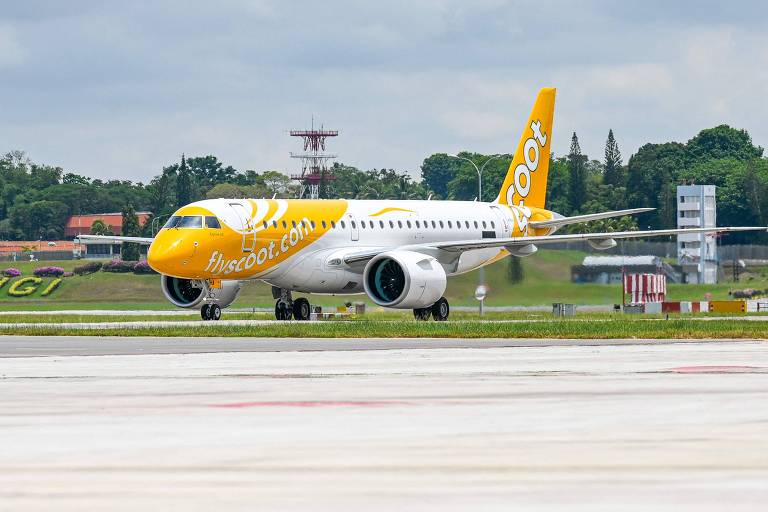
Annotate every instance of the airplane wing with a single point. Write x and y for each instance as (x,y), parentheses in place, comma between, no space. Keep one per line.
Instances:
(107,239)
(487,243)
(565,221)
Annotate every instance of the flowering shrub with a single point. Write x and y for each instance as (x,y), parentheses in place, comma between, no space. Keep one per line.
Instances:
(88,268)
(68,274)
(52,286)
(143,267)
(119,266)
(48,272)
(17,290)
(12,272)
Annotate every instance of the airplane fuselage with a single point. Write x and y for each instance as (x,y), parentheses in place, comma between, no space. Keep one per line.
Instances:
(300,244)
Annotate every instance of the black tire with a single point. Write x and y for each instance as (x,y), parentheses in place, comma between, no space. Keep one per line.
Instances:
(301,309)
(441,310)
(422,314)
(282,311)
(215,312)
(205,312)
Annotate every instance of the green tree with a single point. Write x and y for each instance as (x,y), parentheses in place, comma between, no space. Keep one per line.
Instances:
(614,174)
(558,185)
(577,191)
(131,227)
(722,142)
(437,171)
(652,176)
(99,227)
(183,184)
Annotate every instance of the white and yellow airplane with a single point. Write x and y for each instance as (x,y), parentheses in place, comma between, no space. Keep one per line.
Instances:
(399,253)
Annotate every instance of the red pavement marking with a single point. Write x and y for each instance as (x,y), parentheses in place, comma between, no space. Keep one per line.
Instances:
(719,369)
(312,403)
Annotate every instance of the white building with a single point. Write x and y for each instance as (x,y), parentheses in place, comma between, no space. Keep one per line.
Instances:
(697,252)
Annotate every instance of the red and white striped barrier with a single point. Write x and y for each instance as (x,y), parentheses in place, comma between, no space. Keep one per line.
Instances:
(646,287)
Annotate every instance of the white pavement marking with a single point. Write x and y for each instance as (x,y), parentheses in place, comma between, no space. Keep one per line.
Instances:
(555,428)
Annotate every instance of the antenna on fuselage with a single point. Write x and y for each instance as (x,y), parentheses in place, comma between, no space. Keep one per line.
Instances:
(274,195)
(429,197)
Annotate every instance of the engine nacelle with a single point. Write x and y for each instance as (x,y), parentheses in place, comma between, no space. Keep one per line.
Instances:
(404,280)
(188,293)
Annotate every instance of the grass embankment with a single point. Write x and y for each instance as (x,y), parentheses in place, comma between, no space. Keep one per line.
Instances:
(547,280)
(580,329)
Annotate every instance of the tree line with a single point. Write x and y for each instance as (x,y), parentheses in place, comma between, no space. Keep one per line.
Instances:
(36,199)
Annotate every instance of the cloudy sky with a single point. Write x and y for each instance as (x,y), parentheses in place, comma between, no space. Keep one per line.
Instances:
(120,89)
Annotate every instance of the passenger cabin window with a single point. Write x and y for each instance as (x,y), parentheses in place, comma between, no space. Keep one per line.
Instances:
(265,224)
(343,225)
(324,224)
(333,224)
(381,224)
(400,224)
(408,223)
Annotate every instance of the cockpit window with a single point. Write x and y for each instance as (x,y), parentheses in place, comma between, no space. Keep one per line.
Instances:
(190,221)
(212,222)
(172,221)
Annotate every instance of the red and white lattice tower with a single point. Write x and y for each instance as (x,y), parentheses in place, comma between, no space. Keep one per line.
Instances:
(314,160)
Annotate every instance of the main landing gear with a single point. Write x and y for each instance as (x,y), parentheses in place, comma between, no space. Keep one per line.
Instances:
(210,311)
(439,311)
(287,308)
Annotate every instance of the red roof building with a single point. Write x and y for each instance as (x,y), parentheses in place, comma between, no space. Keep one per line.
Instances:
(81,224)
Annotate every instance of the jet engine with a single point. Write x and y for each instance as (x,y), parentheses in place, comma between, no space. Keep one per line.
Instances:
(404,280)
(188,293)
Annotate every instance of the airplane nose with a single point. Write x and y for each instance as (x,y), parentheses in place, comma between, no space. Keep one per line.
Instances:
(162,253)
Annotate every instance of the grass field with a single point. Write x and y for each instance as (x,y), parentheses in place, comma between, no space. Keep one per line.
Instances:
(579,329)
(547,280)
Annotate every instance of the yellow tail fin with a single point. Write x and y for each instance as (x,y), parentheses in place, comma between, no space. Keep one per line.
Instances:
(526,181)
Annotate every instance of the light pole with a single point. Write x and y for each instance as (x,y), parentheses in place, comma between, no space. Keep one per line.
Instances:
(481,289)
(479,171)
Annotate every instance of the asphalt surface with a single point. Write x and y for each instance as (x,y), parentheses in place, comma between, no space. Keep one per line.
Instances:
(336,425)
(29,346)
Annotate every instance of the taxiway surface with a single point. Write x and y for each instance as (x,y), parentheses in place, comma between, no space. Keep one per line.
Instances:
(317,424)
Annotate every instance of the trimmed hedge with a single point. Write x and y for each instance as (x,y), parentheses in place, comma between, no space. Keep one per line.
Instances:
(88,268)
(143,267)
(119,266)
(48,272)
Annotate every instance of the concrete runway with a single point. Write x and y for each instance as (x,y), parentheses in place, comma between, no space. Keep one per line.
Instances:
(422,425)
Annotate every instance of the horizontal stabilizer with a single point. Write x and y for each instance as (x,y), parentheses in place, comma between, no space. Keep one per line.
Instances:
(110,239)
(565,221)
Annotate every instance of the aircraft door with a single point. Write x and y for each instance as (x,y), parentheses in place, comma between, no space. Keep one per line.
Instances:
(354,227)
(246,226)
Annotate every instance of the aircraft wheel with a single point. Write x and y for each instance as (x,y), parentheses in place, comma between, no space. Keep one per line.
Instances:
(282,311)
(205,312)
(441,310)
(214,312)
(301,309)
(422,313)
